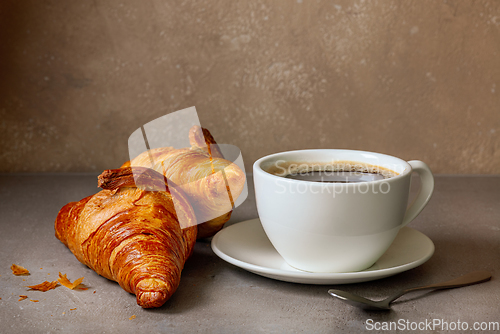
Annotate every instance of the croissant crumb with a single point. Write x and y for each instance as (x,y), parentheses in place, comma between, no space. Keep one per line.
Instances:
(66,282)
(45,286)
(19,270)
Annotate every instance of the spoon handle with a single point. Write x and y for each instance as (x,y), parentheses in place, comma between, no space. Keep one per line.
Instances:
(467,279)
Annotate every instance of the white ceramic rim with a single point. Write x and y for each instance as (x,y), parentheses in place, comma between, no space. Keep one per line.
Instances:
(258,169)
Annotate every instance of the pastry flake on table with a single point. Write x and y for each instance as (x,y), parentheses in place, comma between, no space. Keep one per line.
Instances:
(67,283)
(44,286)
(19,270)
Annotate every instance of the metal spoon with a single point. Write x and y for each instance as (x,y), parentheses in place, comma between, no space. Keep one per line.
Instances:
(468,279)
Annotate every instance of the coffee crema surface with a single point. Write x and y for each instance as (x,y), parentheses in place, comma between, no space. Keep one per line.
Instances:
(330,172)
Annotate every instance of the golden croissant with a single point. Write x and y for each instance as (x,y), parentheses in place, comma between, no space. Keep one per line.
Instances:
(132,236)
(141,228)
(211,183)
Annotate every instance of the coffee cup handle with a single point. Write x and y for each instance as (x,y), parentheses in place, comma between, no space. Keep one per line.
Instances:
(424,193)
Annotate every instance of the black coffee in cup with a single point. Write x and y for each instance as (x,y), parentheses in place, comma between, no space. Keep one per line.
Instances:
(330,172)
(336,177)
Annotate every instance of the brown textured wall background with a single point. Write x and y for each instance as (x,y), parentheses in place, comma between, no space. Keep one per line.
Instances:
(414,79)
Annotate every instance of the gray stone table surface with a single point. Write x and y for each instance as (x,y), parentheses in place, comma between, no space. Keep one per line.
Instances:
(462,219)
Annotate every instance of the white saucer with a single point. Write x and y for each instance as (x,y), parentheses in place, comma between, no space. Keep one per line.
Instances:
(246,245)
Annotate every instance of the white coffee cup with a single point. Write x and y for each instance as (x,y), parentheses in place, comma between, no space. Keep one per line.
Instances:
(336,227)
